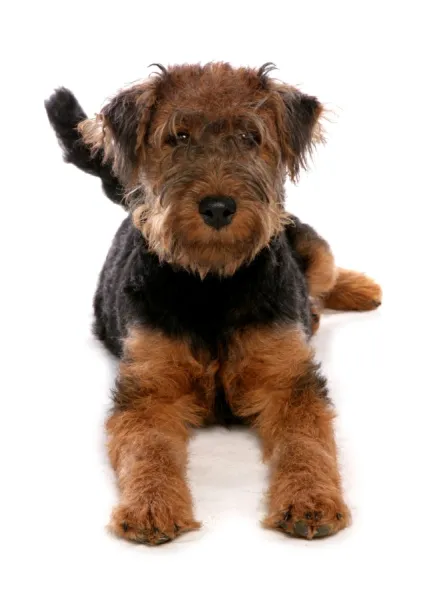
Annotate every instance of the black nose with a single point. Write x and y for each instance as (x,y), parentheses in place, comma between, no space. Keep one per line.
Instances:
(217,211)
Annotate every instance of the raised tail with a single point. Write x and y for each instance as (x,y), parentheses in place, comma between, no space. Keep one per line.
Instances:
(64,114)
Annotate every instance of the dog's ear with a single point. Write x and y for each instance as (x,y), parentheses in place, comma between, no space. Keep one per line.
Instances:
(299,128)
(302,129)
(120,130)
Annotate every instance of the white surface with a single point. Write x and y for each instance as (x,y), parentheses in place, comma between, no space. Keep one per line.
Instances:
(365,194)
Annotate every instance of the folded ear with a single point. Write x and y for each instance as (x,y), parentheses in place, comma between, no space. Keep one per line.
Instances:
(298,122)
(302,128)
(121,128)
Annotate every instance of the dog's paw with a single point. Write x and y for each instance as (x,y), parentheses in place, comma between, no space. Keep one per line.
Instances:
(354,291)
(151,522)
(368,295)
(311,517)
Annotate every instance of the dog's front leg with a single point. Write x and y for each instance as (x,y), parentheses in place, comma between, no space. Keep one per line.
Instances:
(155,406)
(271,379)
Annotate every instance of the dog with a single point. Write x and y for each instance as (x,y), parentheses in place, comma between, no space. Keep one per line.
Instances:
(211,291)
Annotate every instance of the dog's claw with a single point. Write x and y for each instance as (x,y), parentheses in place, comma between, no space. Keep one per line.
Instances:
(162,540)
(309,523)
(322,531)
(301,529)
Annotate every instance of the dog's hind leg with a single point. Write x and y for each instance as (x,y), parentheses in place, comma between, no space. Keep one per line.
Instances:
(330,286)
(353,291)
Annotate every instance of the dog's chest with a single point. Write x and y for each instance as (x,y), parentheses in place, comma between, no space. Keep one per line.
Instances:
(208,311)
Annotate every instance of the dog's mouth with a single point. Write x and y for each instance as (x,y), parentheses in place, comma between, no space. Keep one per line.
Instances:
(212,227)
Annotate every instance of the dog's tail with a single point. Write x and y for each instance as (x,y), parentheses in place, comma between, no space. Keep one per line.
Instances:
(64,114)
(353,291)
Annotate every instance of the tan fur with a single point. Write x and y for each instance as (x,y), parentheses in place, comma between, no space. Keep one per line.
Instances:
(219,107)
(186,134)
(315,311)
(163,389)
(353,291)
(271,379)
(332,287)
(178,235)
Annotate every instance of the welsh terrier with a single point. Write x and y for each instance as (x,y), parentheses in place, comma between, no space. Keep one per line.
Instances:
(211,291)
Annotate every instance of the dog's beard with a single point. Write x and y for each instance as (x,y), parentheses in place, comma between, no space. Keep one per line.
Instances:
(177,234)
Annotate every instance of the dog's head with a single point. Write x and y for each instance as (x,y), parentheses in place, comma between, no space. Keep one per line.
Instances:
(203,152)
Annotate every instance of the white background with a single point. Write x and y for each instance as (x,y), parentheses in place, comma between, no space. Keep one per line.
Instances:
(366,194)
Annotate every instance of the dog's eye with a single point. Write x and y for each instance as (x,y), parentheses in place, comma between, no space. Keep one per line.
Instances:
(181,137)
(250,138)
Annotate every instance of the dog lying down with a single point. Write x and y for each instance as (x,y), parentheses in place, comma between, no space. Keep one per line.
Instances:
(211,291)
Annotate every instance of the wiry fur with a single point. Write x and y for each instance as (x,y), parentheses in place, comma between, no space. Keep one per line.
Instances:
(134,130)
(65,114)
(212,324)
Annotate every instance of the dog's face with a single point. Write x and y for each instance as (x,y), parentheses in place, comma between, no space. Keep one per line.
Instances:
(203,153)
